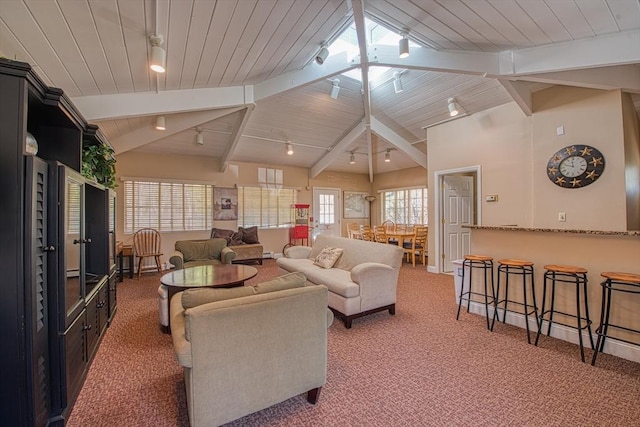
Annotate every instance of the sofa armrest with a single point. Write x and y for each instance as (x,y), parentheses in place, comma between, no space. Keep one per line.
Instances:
(371,271)
(227,255)
(377,282)
(181,346)
(297,252)
(176,258)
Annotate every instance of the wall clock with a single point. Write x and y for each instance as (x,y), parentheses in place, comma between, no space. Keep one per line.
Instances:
(575,166)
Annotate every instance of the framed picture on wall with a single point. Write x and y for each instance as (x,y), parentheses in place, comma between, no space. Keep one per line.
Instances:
(355,205)
(225,204)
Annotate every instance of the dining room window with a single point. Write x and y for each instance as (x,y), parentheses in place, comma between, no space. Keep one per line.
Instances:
(405,206)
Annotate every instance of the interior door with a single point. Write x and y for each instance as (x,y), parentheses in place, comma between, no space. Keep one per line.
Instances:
(326,211)
(457,211)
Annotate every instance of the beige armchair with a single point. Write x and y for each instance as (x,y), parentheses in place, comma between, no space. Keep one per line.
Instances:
(191,253)
(245,349)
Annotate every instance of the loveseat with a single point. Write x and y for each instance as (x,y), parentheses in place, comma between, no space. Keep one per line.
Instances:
(247,348)
(244,243)
(362,281)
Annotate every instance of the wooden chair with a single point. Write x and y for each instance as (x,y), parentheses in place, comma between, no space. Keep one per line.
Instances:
(366,233)
(146,244)
(380,234)
(417,245)
(353,231)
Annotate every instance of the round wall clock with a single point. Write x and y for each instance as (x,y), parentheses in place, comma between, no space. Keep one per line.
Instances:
(575,166)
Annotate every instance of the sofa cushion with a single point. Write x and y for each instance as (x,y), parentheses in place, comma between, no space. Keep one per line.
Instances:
(195,297)
(328,257)
(287,281)
(249,235)
(236,239)
(222,233)
(337,280)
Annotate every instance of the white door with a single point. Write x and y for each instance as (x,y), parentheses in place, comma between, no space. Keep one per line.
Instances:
(457,211)
(326,211)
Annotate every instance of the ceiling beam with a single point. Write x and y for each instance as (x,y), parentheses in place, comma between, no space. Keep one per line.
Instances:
(624,77)
(312,73)
(520,93)
(236,133)
(338,149)
(399,142)
(123,105)
(176,123)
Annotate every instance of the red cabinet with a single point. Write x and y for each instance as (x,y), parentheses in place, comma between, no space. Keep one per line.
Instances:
(300,229)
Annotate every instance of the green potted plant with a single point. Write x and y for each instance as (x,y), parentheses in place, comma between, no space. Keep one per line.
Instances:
(99,164)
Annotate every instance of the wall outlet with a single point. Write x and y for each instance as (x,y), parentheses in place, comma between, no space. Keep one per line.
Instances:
(491,198)
(560,130)
(562,216)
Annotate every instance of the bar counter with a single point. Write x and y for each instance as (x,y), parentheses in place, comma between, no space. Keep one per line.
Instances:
(597,251)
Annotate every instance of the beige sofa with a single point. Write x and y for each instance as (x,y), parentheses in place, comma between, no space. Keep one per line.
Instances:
(247,348)
(362,281)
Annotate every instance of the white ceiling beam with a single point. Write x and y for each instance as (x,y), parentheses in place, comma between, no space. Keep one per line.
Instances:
(520,93)
(602,51)
(370,153)
(399,142)
(312,73)
(624,77)
(236,133)
(176,123)
(118,106)
(338,149)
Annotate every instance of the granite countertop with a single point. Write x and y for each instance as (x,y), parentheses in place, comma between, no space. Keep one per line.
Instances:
(552,230)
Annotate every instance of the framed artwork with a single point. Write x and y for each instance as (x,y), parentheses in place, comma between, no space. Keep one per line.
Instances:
(355,205)
(225,204)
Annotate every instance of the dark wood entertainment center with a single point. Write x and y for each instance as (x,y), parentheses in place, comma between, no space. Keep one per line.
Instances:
(58,252)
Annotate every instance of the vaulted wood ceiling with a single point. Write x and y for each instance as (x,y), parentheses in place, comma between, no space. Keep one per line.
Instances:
(242,71)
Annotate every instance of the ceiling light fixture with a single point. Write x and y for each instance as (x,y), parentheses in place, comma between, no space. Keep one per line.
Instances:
(453,107)
(199,137)
(403,45)
(352,159)
(158,57)
(335,89)
(322,54)
(160,123)
(289,148)
(397,83)
(387,156)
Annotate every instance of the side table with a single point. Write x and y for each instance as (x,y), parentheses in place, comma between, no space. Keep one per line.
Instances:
(126,251)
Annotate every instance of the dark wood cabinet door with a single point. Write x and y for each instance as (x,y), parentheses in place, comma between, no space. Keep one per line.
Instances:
(113,294)
(75,356)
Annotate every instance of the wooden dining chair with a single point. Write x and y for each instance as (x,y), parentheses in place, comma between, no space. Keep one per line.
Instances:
(146,244)
(380,234)
(366,233)
(353,231)
(417,245)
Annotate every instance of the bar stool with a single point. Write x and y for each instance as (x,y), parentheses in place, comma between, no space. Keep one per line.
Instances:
(615,282)
(486,264)
(524,269)
(566,274)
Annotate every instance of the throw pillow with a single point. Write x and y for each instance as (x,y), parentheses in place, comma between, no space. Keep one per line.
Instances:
(288,281)
(249,235)
(328,257)
(236,239)
(195,297)
(221,232)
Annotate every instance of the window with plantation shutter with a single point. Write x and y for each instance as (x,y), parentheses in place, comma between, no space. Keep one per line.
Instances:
(167,206)
(265,207)
(406,206)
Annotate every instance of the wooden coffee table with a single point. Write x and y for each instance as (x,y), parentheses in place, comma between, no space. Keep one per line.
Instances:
(207,276)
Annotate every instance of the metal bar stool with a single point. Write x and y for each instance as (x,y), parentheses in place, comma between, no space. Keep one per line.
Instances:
(524,269)
(486,264)
(566,274)
(615,282)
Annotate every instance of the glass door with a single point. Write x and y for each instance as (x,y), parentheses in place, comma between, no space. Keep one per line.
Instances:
(73,214)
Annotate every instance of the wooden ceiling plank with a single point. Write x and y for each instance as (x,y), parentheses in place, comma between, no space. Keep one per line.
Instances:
(544,18)
(180,40)
(136,43)
(598,16)
(571,18)
(489,12)
(626,13)
(519,19)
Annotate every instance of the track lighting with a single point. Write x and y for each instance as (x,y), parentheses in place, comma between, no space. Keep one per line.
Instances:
(387,156)
(397,83)
(335,88)
(403,45)
(322,55)
(199,137)
(160,123)
(453,107)
(352,159)
(158,57)
(289,149)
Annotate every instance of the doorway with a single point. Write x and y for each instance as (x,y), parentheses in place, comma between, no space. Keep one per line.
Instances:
(457,204)
(326,212)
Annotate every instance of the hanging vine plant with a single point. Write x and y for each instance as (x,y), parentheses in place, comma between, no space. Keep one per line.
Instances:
(99,164)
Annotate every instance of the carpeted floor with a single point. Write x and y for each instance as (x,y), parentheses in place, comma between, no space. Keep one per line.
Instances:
(420,367)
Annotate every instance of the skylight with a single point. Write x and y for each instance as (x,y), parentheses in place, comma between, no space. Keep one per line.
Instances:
(376,34)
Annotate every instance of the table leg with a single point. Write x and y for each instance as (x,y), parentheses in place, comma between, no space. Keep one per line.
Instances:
(120,267)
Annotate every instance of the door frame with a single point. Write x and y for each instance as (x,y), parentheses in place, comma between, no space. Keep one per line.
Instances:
(438,178)
(338,212)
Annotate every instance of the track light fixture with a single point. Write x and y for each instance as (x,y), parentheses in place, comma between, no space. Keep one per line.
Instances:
(387,156)
(160,123)
(453,107)
(322,54)
(289,148)
(403,45)
(397,83)
(335,89)
(199,137)
(158,57)
(352,159)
